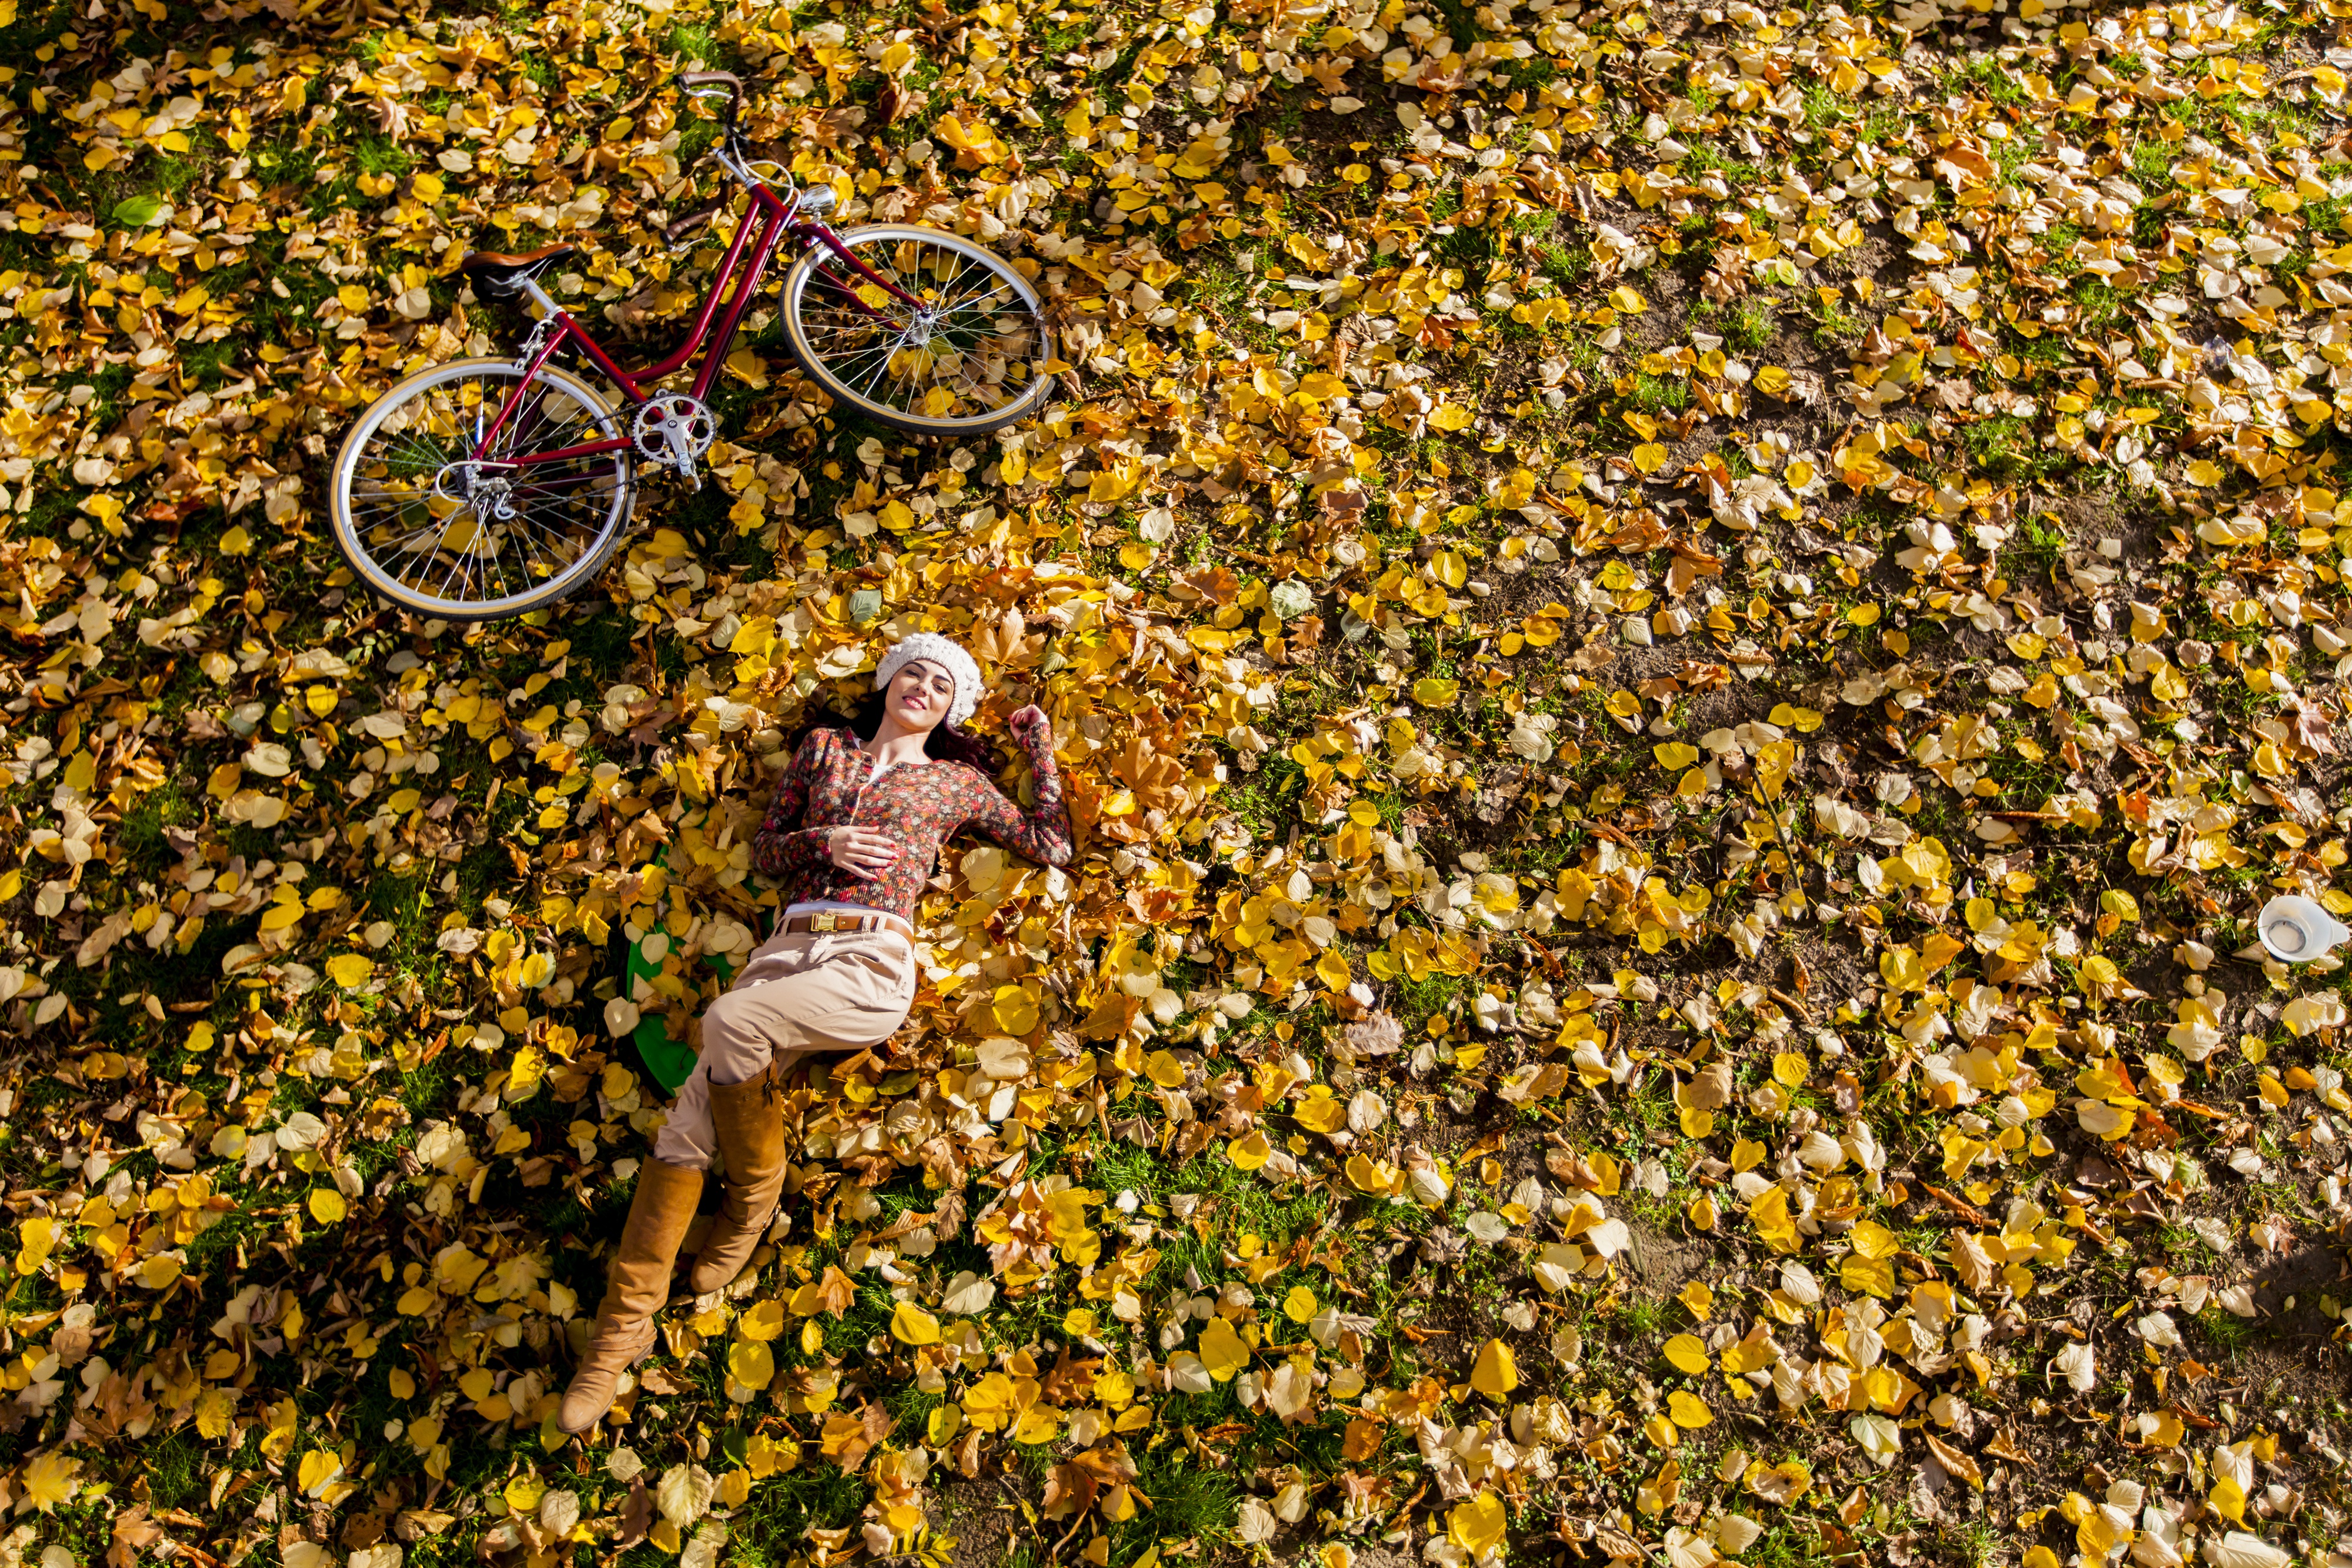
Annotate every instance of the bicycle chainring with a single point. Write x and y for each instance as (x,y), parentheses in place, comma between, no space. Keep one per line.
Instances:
(676,430)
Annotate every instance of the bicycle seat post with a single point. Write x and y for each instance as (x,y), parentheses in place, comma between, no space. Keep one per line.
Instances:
(539,297)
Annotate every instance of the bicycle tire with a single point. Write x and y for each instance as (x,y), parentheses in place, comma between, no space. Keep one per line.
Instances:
(597,545)
(1028,317)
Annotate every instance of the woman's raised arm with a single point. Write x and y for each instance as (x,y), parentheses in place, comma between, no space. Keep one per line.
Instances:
(1042,834)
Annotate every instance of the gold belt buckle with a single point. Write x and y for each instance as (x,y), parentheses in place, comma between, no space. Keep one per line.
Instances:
(824,920)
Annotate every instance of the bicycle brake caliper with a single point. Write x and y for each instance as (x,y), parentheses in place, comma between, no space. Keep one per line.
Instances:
(531,343)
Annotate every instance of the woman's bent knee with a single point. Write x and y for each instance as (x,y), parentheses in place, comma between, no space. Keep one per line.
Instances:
(738,1039)
(679,1144)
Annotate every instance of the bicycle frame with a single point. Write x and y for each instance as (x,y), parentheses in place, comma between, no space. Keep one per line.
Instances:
(774,221)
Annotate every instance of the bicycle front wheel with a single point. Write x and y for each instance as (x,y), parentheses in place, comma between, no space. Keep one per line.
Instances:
(448,532)
(967,356)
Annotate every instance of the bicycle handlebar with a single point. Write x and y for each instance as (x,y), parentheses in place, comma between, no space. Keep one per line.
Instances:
(709,84)
(686,225)
(731,151)
(689,80)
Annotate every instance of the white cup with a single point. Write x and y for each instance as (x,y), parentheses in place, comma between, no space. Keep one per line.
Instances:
(2296,930)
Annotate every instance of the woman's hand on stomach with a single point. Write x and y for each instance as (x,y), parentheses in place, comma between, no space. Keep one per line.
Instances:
(862,852)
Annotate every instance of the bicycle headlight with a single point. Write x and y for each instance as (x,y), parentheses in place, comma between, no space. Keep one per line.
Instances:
(817,200)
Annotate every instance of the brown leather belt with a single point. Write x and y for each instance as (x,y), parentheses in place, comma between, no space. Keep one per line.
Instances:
(833,920)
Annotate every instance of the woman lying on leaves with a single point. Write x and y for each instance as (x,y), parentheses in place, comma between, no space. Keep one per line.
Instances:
(858,820)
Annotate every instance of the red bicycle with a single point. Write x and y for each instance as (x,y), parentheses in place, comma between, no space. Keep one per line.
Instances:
(484,488)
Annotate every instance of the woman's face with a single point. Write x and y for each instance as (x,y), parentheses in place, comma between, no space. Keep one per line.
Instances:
(920,695)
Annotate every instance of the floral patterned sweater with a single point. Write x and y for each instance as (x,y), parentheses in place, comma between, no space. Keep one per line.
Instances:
(831,783)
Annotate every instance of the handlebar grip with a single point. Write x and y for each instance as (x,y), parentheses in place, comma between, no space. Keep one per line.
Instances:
(693,221)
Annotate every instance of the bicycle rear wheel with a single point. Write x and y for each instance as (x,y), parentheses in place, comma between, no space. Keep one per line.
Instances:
(445,534)
(971,359)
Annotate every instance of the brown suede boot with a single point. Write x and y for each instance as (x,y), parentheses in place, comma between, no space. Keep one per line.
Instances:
(637,1290)
(749,1123)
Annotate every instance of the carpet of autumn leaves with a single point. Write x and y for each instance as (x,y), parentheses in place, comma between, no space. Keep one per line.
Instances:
(1684,636)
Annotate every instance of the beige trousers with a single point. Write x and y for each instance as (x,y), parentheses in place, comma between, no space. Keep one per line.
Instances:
(801,993)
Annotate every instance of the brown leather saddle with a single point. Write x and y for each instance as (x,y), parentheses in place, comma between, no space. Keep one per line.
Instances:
(497,274)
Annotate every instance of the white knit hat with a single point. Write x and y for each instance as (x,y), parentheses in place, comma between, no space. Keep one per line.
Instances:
(934,649)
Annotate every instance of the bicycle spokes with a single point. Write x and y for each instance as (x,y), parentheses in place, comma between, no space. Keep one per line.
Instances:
(970,342)
(459,524)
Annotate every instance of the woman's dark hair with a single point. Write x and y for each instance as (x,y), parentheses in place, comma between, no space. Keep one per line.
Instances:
(948,743)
